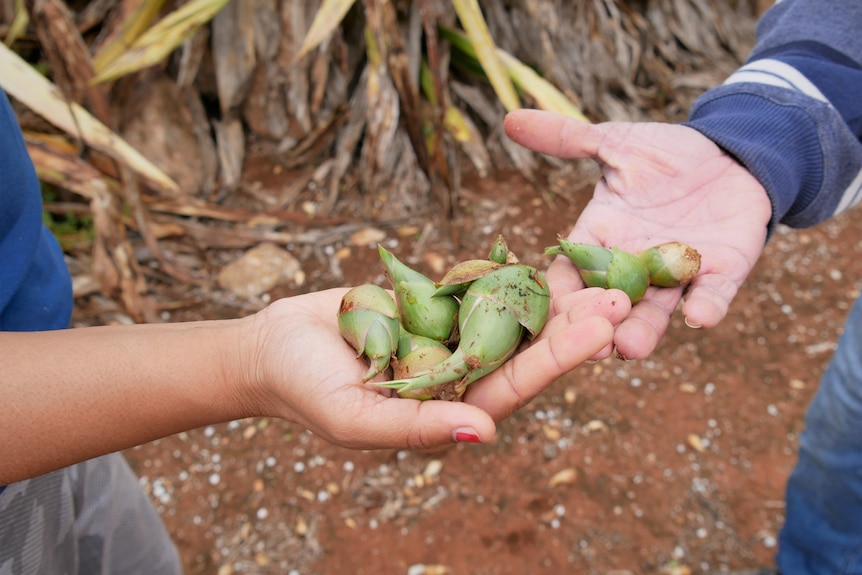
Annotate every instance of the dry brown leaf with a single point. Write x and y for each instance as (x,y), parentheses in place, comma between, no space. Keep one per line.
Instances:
(32,89)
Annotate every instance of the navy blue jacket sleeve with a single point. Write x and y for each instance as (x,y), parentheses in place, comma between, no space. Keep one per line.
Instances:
(793,113)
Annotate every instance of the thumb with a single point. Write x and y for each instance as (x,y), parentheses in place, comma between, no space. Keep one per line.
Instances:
(409,423)
(553,134)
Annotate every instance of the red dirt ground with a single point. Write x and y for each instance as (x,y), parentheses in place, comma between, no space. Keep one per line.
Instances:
(675,464)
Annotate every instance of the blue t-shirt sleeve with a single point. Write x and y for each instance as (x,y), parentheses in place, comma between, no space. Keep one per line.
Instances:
(35,286)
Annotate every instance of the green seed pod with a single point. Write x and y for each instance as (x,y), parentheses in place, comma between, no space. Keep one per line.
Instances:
(398,271)
(409,342)
(425,314)
(417,354)
(584,256)
(499,251)
(606,267)
(627,273)
(422,312)
(368,321)
(671,264)
(496,312)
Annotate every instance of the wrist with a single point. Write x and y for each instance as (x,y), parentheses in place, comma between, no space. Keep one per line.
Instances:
(240,367)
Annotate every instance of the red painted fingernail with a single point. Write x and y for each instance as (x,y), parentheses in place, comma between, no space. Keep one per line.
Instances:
(466,436)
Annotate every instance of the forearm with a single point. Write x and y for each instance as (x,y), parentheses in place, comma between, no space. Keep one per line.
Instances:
(74,394)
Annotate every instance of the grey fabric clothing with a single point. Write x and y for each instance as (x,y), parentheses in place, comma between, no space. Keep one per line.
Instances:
(89,519)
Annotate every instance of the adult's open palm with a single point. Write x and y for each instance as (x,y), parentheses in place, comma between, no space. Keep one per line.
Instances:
(660,182)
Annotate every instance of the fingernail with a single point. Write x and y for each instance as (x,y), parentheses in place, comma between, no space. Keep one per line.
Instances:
(692,325)
(466,435)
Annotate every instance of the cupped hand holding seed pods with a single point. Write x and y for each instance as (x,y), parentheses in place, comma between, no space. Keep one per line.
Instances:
(660,183)
(437,351)
(358,414)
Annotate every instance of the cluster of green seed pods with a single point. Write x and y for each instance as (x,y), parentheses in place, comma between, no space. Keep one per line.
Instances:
(670,264)
(439,337)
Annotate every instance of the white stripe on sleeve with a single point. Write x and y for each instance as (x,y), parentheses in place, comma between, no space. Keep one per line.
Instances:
(776,73)
(851,196)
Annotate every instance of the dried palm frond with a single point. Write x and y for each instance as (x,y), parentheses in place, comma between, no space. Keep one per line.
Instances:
(545,94)
(486,52)
(370,106)
(19,23)
(20,80)
(327,18)
(154,44)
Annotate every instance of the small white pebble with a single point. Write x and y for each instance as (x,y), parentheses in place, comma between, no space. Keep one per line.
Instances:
(209,431)
(270,461)
(769,542)
(262,513)
(709,388)
(772,410)
(559,510)
(678,552)
(555,523)
(298,467)
(214,479)
(702,532)
(348,466)
(636,382)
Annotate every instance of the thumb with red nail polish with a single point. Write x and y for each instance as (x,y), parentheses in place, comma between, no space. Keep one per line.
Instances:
(466,435)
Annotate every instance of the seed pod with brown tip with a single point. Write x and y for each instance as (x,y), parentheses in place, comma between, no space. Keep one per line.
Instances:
(671,264)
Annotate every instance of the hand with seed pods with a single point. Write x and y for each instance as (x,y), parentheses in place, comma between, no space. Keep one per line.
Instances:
(660,183)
